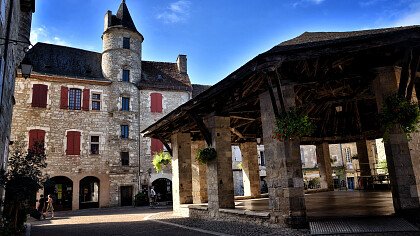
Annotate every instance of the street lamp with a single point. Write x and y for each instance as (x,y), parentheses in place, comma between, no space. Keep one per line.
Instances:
(26,68)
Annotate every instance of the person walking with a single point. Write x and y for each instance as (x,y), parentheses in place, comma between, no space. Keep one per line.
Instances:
(152,197)
(50,207)
(41,206)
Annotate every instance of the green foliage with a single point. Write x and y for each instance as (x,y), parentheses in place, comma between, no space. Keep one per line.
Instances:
(397,110)
(141,199)
(205,155)
(161,159)
(23,179)
(314,183)
(383,166)
(292,124)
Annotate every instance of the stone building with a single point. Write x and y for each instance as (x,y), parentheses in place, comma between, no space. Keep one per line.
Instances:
(15,27)
(88,109)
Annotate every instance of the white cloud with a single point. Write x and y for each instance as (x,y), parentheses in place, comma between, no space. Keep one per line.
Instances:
(306,2)
(41,34)
(411,18)
(176,12)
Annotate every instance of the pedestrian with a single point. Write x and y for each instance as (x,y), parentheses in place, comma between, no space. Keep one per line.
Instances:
(41,206)
(152,197)
(50,207)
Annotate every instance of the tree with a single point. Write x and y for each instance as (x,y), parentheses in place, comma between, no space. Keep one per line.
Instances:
(22,180)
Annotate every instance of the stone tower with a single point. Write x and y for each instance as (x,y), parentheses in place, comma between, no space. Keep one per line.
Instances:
(121,64)
(122,46)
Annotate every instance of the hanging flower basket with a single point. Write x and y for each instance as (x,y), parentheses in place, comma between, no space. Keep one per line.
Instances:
(161,159)
(397,110)
(205,155)
(292,124)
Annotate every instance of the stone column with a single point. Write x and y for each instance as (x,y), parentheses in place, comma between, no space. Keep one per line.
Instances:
(284,169)
(219,171)
(324,165)
(199,174)
(181,170)
(76,197)
(250,169)
(363,156)
(403,156)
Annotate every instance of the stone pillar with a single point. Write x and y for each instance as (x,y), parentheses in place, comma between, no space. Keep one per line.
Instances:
(76,197)
(363,156)
(219,171)
(250,169)
(199,174)
(284,169)
(324,165)
(403,156)
(181,170)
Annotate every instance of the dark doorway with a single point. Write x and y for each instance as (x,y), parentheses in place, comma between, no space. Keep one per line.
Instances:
(89,193)
(163,189)
(61,190)
(126,195)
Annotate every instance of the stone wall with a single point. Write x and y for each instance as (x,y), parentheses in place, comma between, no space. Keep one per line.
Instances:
(170,101)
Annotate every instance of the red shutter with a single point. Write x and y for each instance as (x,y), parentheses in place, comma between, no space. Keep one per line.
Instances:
(64,103)
(156,102)
(156,146)
(86,97)
(36,135)
(39,95)
(73,143)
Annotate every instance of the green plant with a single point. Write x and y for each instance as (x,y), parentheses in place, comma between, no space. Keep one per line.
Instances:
(397,110)
(292,124)
(141,199)
(161,159)
(206,154)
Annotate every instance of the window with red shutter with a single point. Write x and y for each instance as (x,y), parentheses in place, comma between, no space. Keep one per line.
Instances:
(36,136)
(156,102)
(39,95)
(156,146)
(64,98)
(86,97)
(73,143)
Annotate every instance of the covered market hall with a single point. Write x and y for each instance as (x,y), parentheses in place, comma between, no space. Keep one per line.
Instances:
(340,81)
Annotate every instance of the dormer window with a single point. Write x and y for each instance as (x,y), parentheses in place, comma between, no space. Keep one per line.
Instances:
(126,43)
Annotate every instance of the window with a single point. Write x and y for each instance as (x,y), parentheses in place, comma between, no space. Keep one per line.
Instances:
(125,106)
(124,131)
(125,158)
(126,43)
(36,137)
(73,143)
(96,101)
(156,146)
(75,96)
(262,158)
(39,95)
(94,145)
(126,76)
(348,154)
(156,102)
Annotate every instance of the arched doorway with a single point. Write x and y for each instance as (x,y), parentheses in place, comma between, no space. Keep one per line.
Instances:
(89,192)
(61,189)
(163,189)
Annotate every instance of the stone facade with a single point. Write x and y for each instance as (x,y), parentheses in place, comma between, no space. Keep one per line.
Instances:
(18,15)
(106,178)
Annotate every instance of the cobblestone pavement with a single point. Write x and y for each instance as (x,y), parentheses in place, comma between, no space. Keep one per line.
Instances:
(143,221)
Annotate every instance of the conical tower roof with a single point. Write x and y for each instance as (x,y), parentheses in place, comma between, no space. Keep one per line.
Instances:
(123,18)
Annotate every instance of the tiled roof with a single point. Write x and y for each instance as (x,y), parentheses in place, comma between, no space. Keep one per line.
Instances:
(123,18)
(66,61)
(163,75)
(199,88)
(309,38)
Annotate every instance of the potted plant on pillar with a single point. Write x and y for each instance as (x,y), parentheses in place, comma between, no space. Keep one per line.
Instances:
(205,155)
(160,160)
(398,110)
(292,124)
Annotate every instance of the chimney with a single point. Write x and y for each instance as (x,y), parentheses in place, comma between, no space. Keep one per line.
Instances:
(107,20)
(181,62)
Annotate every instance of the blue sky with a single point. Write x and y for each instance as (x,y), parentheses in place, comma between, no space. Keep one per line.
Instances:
(218,36)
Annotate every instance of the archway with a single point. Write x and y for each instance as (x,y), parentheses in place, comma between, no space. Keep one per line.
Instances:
(61,189)
(163,189)
(89,192)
